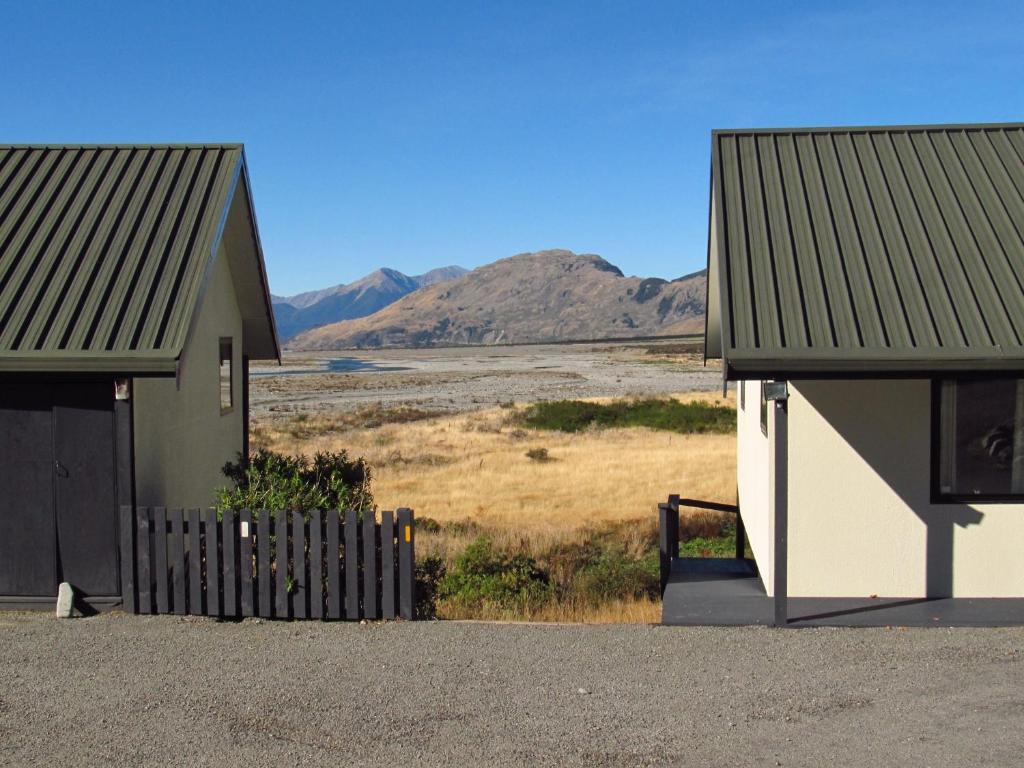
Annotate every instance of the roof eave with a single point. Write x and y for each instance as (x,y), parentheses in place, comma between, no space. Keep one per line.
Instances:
(86,363)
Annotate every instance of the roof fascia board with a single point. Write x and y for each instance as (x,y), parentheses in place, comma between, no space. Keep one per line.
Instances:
(211,258)
(121,364)
(724,304)
(265,282)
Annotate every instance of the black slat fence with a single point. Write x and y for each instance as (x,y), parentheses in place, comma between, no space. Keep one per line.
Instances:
(320,565)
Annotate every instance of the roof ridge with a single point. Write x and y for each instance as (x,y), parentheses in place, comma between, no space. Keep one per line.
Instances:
(129,145)
(895,128)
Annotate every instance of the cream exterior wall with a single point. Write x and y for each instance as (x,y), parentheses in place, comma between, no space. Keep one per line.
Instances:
(754,478)
(861,519)
(181,438)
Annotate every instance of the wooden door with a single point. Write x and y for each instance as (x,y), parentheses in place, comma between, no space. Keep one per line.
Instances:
(86,520)
(28,558)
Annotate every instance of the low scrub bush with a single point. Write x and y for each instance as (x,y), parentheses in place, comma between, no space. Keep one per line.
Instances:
(274,482)
(430,572)
(482,577)
(615,575)
(655,413)
(538,454)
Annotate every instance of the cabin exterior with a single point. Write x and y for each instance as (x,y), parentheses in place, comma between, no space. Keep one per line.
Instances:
(866,295)
(133,295)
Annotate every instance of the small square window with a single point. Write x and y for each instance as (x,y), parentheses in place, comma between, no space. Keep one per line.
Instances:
(980,451)
(227,376)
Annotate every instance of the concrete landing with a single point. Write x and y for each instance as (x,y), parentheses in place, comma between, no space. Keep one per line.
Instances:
(728,592)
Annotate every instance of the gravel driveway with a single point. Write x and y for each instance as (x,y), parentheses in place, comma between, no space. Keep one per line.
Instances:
(126,690)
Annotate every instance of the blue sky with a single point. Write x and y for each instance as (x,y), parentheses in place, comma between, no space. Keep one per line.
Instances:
(420,134)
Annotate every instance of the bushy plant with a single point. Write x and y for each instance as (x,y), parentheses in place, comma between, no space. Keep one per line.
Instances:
(653,412)
(274,482)
(483,576)
(430,572)
(614,575)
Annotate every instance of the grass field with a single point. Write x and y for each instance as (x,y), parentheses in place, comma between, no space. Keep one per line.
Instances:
(471,474)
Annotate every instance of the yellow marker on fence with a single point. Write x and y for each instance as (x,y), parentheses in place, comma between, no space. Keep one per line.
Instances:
(408,533)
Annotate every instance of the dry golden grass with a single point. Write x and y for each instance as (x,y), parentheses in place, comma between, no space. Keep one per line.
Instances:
(613,612)
(473,466)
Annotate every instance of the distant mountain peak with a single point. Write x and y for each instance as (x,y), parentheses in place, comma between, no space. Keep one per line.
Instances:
(347,301)
(549,295)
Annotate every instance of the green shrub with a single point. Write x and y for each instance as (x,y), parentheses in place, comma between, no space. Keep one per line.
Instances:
(655,413)
(275,482)
(427,525)
(614,575)
(482,576)
(430,572)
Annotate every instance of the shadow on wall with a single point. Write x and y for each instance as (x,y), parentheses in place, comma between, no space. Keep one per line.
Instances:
(896,443)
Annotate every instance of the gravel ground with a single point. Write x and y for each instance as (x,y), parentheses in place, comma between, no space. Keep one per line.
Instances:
(467,378)
(126,690)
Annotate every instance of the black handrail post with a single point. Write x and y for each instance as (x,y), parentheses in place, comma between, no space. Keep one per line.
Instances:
(668,532)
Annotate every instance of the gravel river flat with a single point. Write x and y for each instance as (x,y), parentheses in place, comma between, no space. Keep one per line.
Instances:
(152,691)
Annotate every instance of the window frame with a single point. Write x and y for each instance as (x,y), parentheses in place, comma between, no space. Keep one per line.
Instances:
(230,343)
(764,411)
(937,495)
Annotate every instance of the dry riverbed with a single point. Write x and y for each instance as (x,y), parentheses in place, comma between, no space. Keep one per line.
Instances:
(152,691)
(468,378)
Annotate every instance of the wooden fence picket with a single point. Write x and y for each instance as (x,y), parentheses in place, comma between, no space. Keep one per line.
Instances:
(245,561)
(316,566)
(334,566)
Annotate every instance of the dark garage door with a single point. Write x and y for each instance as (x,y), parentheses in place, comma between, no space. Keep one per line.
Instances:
(58,517)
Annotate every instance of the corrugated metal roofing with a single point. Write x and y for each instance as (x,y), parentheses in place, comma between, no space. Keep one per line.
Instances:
(868,249)
(103,250)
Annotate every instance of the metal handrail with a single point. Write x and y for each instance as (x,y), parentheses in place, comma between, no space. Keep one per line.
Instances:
(668,529)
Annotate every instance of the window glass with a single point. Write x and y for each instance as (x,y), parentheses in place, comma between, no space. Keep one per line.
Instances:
(981,437)
(226,376)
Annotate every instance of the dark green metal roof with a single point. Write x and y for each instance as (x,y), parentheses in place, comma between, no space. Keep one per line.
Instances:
(867,250)
(104,252)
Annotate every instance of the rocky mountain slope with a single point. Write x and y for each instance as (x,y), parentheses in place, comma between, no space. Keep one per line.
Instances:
(365,296)
(551,295)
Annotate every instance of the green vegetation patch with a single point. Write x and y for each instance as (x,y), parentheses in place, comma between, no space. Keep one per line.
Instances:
(483,576)
(273,482)
(655,413)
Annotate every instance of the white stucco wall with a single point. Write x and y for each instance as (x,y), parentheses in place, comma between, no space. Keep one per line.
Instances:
(861,521)
(181,438)
(754,477)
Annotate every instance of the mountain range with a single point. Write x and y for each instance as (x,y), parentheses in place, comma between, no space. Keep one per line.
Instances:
(365,296)
(552,295)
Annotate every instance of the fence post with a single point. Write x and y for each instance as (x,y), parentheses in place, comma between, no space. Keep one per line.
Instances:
(406,564)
